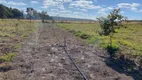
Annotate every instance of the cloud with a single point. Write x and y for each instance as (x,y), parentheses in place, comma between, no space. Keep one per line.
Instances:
(132,6)
(16,3)
(59,3)
(34,2)
(60,11)
(84,4)
(2,1)
(83,10)
(103,11)
(79,13)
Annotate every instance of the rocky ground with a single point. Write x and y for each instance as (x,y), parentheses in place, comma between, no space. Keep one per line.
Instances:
(42,58)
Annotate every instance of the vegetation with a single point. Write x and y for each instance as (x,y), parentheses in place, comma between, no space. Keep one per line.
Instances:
(12,34)
(126,39)
(33,14)
(10,12)
(13,13)
(7,58)
(110,24)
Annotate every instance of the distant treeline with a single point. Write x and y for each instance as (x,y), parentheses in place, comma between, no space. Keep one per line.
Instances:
(13,13)
(6,12)
(134,20)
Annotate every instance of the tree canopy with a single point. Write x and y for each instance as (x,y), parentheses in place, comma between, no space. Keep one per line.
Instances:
(110,23)
(10,12)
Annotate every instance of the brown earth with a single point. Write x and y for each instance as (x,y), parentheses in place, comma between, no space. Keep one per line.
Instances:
(42,58)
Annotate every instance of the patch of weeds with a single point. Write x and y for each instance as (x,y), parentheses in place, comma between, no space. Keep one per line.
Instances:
(85,36)
(116,31)
(111,49)
(71,31)
(93,40)
(8,57)
(24,35)
(77,33)
(3,34)
(126,43)
(81,35)
(17,46)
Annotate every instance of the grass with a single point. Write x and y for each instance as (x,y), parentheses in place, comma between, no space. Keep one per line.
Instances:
(8,57)
(127,39)
(12,34)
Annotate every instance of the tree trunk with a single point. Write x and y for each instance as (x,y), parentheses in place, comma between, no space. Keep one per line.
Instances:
(110,39)
(30,19)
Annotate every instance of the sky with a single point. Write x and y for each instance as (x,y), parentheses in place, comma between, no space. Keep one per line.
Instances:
(86,9)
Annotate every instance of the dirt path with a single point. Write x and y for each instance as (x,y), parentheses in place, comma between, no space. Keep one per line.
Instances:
(42,58)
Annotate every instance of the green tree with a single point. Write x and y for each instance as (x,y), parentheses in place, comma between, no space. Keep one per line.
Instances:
(30,13)
(17,13)
(5,12)
(110,23)
(43,16)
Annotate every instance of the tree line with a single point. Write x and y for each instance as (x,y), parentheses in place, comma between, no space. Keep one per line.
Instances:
(13,13)
(6,12)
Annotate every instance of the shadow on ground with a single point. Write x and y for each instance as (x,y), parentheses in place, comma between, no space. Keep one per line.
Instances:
(123,65)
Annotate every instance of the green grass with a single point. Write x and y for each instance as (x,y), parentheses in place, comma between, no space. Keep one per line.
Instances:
(12,34)
(8,57)
(128,39)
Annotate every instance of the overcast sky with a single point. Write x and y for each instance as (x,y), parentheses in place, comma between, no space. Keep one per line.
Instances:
(89,9)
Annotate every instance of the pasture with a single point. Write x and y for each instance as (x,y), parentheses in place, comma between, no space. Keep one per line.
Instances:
(12,34)
(127,39)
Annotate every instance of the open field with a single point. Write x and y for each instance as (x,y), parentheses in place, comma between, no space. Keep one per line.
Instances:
(12,34)
(39,55)
(128,40)
(47,60)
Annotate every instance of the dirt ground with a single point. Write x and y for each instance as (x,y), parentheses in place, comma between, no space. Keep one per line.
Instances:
(42,58)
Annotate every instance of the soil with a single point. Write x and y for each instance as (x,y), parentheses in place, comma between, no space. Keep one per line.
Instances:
(42,58)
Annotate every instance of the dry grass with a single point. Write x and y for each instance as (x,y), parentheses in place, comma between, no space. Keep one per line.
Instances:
(12,34)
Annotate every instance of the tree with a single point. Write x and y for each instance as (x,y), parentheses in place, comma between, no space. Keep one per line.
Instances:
(17,13)
(30,13)
(109,24)
(43,16)
(5,12)
(9,12)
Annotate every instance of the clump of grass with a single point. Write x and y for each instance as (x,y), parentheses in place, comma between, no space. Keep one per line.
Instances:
(126,43)
(8,57)
(85,36)
(81,35)
(17,46)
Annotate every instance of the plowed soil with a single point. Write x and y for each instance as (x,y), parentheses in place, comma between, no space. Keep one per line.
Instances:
(42,58)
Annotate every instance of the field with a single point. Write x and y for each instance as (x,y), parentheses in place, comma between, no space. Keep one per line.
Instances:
(128,39)
(12,34)
(32,48)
